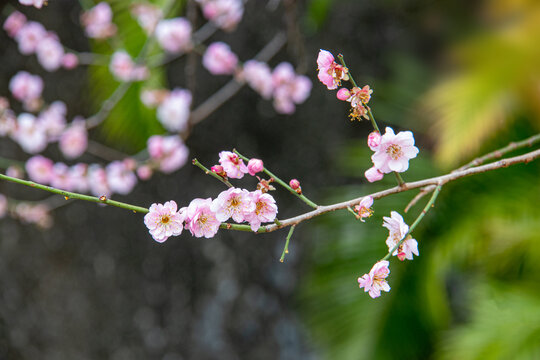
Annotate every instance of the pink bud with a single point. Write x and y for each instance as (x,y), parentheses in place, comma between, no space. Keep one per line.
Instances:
(144,172)
(374,140)
(70,61)
(401,256)
(294,184)
(373,174)
(255,166)
(343,94)
(218,169)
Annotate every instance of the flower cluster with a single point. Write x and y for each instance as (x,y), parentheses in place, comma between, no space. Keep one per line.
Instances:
(33,38)
(203,217)
(124,68)
(330,72)
(97,21)
(174,35)
(392,153)
(219,59)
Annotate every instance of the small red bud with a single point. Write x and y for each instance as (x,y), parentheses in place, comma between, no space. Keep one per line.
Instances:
(294,184)
(401,256)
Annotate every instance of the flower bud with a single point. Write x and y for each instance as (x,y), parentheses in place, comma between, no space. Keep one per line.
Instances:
(295,185)
(373,174)
(254,166)
(218,169)
(401,256)
(70,61)
(343,94)
(374,140)
(144,172)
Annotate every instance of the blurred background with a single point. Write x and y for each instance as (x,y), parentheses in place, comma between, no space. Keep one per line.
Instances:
(463,76)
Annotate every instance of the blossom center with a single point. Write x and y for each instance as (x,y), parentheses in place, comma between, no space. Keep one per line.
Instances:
(165,219)
(394,151)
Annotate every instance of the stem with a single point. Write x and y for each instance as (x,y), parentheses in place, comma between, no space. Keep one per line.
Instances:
(210,172)
(286,248)
(416,222)
(342,61)
(282,183)
(352,212)
(71,195)
(240,227)
(371,118)
(399,179)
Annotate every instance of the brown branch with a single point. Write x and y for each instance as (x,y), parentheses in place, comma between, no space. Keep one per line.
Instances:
(478,161)
(439,180)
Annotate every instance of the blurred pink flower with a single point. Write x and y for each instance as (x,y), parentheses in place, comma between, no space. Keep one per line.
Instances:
(120,177)
(70,61)
(50,53)
(289,88)
(61,177)
(3,206)
(218,59)
(53,119)
(30,134)
(226,14)
(259,77)
(124,68)
(163,220)
(36,3)
(39,169)
(25,86)
(375,281)
(147,16)
(174,111)
(98,21)
(14,23)
(174,35)
(373,174)
(29,36)
(394,151)
(97,180)
(169,152)
(74,139)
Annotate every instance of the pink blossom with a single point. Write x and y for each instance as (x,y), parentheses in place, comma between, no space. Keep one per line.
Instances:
(232,164)
(343,94)
(34,214)
(330,73)
(15,172)
(200,219)
(53,119)
(147,16)
(98,21)
(397,231)
(373,174)
(49,53)
(169,152)
(3,206)
(265,209)
(226,14)
(61,177)
(289,88)
(218,169)
(233,203)
(25,86)
(30,134)
(375,282)
(74,139)
(120,177)
(394,151)
(14,22)
(174,112)
(29,36)
(97,180)
(218,59)
(174,35)
(374,140)
(164,220)
(364,208)
(294,184)
(254,166)
(36,3)
(39,169)
(124,68)
(259,77)
(70,61)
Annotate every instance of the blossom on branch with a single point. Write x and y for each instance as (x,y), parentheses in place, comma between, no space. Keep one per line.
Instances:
(225,14)
(174,35)
(364,208)
(98,21)
(259,77)
(168,152)
(265,209)
(394,151)
(163,220)
(235,203)
(218,59)
(397,231)
(254,166)
(233,165)
(173,112)
(375,281)
(200,219)
(330,73)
